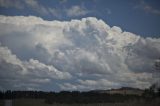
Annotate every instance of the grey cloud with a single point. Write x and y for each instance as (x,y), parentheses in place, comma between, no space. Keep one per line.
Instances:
(149,47)
(17,74)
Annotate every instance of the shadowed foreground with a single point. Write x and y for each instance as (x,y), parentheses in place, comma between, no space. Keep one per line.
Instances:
(115,97)
(41,102)
(8,102)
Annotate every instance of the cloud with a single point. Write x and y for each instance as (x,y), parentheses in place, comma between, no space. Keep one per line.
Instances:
(73,55)
(32,4)
(41,9)
(148,8)
(63,1)
(108,11)
(36,6)
(11,3)
(17,74)
(76,11)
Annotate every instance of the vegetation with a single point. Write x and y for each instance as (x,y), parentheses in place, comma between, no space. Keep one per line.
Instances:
(40,102)
(150,96)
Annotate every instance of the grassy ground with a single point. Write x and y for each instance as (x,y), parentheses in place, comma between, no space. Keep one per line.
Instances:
(1,103)
(29,102)
(40,102)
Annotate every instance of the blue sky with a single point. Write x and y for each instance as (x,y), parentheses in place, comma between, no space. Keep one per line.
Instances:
(141,17)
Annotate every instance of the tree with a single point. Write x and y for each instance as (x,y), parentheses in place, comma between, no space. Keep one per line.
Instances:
(156,86)
(157,65)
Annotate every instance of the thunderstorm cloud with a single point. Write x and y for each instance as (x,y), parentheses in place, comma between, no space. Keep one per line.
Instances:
(85,54)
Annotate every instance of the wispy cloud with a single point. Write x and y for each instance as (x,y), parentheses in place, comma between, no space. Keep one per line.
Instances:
(77,11)
(41,9)
(11,3)
(62,1)
(32,4)
(148,8)
(36,6)
(108,11)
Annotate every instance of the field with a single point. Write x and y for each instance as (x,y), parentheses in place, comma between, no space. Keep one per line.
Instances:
(1,103)
(40,102)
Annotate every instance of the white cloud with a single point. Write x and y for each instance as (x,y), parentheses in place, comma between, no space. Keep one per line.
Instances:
(76,11)
(78,54)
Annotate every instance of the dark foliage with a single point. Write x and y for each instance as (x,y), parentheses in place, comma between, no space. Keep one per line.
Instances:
(78,97)
(82,97)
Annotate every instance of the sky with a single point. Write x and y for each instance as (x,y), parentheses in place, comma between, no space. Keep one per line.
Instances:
(55,45)
(141,17)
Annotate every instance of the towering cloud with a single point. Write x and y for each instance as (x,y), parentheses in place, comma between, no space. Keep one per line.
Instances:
(74,55)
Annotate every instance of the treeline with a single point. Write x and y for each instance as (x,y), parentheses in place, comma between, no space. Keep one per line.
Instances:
(23,94)
(79,97)
(88,97)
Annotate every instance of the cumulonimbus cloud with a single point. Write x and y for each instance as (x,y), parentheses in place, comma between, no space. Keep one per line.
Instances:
(74,55)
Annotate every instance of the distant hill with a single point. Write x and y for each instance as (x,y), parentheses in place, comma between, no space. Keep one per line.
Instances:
(123,90)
